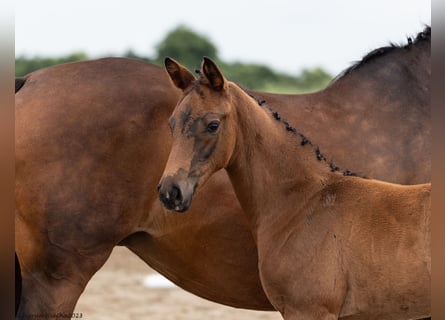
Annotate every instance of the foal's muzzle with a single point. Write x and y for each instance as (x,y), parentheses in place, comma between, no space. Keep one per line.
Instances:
(176,194)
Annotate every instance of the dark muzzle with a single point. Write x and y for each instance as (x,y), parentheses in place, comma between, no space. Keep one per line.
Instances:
(175,195)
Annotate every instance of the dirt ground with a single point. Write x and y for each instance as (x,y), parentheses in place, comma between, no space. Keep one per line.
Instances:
(117,292)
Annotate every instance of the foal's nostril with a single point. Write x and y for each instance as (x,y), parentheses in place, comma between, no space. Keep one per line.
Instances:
(175,195)
(170,195)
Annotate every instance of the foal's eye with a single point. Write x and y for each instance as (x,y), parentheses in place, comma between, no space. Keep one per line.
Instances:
(213,126)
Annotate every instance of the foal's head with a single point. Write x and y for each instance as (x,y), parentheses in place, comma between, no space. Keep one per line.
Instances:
(203,132)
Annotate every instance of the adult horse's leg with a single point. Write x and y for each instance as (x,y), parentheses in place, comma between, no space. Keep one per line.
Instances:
(53,279)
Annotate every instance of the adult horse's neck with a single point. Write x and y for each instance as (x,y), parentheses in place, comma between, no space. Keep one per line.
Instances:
(390,85)
(271,169)
(407,65)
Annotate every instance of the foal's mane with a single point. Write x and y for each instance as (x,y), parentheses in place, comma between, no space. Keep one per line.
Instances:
(304,140)
(423,36)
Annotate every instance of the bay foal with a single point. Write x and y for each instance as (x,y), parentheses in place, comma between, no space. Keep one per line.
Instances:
(329,245)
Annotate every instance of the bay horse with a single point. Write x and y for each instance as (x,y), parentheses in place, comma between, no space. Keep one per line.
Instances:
(330,245)
(92,142)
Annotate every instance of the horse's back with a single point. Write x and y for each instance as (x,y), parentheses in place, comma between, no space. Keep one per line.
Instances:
(68,99)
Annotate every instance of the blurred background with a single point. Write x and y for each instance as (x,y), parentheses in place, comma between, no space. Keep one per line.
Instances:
(280,46)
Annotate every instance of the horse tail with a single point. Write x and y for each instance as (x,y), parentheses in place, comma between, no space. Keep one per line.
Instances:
(18,283)
(19,82)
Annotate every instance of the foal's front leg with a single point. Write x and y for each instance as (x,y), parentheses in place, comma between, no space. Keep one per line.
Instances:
(307,300)
(304,288)
(318,314)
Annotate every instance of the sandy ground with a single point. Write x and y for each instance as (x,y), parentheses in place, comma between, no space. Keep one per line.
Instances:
(117,292)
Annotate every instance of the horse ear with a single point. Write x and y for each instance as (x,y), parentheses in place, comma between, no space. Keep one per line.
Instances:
(213,74)
(179,74)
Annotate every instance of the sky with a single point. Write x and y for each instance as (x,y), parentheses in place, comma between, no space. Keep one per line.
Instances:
(288,35)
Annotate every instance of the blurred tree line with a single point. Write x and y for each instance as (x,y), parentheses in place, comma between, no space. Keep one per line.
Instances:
(188,48)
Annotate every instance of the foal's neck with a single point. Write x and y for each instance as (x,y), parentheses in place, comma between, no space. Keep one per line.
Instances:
(270,166)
